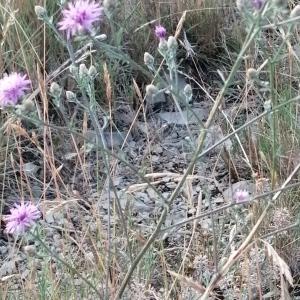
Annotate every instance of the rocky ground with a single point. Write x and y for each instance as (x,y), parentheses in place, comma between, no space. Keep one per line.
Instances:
(160,145)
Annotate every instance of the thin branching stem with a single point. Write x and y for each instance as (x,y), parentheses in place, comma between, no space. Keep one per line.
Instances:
(250,37)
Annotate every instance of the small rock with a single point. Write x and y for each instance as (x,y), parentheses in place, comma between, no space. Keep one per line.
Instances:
(49,218)
(171,185)
(30,168)
(155,158)
(186,117)
(218,200)
(7,268)
(77,282)
(3,250)
(157,149)
(89,256)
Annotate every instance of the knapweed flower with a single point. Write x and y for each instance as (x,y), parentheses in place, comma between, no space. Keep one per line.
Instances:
(79,17)
(241,196)
(257,4)
(160,32)
(21,218)
(12,88)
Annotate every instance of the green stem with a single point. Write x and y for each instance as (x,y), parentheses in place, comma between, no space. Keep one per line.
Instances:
(56,256)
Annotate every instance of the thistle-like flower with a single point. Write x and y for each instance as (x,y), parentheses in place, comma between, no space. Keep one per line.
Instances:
(241,196)
(79,17)
(21,218)
(160,32)
(257,4)
(12,88)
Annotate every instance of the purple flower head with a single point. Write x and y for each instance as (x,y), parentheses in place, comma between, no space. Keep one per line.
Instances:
(241,196)
(257,4)
(80,16)
(160,32)
(12,88)
(21,217)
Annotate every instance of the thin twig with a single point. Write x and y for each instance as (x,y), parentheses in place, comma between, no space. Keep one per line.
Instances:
(224,207)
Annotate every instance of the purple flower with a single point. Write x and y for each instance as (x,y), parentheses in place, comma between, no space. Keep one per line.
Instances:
(12,88)
(160,32)
(21,217)
(241,196)
(257,4)
(80,16)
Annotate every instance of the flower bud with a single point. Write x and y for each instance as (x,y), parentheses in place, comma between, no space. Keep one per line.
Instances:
(83,71)
(30,250)
(70,96)
(41,12)
(172,43)
(55,89)
(148,59)
(188,92)
(92,72)
(73,70)
(163,47)
(251,74)
(101,37)
(268,105)
(151,90)
(109,4)
(28,105)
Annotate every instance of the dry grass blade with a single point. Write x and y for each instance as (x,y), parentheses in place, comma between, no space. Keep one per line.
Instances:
(107,82)
(188,282)
(279,262)
(180,24)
